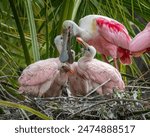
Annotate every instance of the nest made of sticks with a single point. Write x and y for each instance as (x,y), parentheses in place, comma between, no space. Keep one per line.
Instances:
(121,105)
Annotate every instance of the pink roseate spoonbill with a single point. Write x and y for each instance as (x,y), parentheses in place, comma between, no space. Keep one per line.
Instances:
(141,43)
(45,77)
(108,36)
(98,72)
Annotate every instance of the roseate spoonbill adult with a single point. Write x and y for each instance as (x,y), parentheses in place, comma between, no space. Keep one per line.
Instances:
(141,42)
(45,77)
(98,72)
(108,36)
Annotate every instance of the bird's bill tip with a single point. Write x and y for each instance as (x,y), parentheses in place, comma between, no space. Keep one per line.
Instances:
(82,42)
(79,40)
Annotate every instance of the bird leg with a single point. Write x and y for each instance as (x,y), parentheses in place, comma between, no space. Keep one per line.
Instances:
(138,54)
(115,63)
(104,58)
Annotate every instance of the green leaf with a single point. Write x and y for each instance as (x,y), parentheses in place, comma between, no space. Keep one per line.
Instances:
(20,30)
(31,110)
(30,16)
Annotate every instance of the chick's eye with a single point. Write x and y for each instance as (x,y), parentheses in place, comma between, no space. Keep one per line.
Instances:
(88,49)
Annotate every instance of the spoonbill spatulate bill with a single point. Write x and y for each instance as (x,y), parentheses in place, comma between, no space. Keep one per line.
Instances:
(108,36)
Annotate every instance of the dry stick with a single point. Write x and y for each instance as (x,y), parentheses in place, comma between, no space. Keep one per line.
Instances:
(143,75)
(138,87)
(24,113)
(39,107)
(146,99)
(56,98)
(106,101)
(75,99)
(144,115)
(7,76)
(140,77)
(79,54)
(138,113)
(97,88)
(92,116)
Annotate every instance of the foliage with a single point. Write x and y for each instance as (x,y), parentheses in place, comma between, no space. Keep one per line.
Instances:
(27,34)
(15,105)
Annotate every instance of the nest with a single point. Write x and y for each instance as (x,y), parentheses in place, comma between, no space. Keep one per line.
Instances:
(121,105)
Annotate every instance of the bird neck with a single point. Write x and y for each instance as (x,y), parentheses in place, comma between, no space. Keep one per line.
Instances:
(79,32)
(85,59)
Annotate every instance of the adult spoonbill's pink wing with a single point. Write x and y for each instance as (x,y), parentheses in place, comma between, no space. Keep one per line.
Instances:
(116,35)
(114,32)
(141,42)
(39,72)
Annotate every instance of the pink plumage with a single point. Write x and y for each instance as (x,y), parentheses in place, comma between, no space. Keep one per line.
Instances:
(108,36)
(45,77)
(98,72)
(141,42)
(78,85)
(39,72)
(38,77)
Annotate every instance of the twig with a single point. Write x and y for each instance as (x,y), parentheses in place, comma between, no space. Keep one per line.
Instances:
(8,76)
(79,54)
(146,99)
(138,87)
(106,101)
(141,76)
(25,114)
(54,98)
(144,115)
(138,113)
(97,88)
